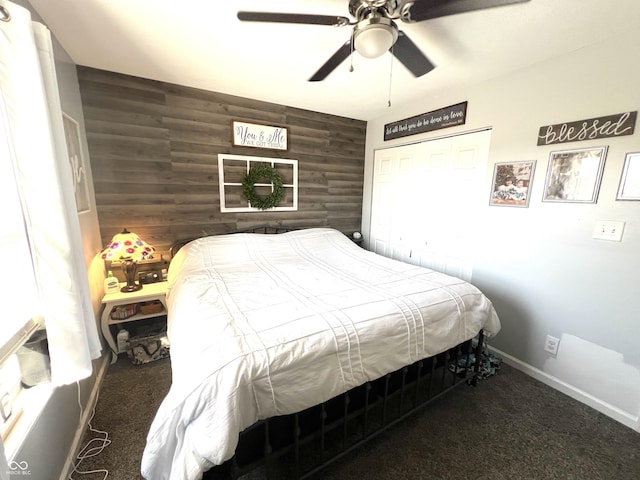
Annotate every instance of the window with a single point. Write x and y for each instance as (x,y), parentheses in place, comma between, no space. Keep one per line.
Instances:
(20,301)
(17,282)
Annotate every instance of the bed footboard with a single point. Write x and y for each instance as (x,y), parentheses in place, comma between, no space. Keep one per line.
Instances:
(300,445)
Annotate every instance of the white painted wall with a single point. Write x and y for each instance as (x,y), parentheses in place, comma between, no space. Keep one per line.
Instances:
(539,265)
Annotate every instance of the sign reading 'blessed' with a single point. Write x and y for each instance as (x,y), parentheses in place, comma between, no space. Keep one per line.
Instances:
(602,127)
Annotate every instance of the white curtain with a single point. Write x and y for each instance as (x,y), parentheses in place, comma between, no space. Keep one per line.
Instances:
(29,89)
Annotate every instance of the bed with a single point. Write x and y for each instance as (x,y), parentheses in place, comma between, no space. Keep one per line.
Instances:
(302,344)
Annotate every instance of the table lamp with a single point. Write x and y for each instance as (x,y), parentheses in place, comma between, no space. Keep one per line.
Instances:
(128,249)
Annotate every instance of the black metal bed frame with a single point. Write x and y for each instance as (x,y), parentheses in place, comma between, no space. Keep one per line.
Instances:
(300,445)
(262,229)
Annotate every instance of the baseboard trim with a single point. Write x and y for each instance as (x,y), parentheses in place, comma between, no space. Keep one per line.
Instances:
(605,408)
(86,417)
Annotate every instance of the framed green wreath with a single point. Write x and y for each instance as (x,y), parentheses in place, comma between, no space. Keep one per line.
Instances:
(262,172)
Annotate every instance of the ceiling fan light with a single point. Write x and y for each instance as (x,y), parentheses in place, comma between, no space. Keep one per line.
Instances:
(374,36)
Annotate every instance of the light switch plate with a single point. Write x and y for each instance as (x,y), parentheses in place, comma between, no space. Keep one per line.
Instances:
(608,230)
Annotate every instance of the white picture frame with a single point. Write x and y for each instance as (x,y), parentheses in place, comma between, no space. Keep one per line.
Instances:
(629,188)
(574,176)
(511,185)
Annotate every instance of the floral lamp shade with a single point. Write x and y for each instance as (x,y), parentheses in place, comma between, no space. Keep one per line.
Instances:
(128,248)
(127,245)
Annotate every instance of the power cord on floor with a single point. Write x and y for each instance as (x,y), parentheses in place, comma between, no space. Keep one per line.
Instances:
(91,450)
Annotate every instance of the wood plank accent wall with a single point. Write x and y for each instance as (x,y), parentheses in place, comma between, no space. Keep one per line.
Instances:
(154,149)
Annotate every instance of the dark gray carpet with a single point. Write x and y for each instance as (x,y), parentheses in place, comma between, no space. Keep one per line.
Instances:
(509,427)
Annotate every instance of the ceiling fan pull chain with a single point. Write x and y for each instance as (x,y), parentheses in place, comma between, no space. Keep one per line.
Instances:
(390,77)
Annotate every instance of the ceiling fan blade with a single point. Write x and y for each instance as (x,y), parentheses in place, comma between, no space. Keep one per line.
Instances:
(421,10)
(410,56)
(330,65)
(293,18)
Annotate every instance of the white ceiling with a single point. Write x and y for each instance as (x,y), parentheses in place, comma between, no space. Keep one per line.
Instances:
(202,44)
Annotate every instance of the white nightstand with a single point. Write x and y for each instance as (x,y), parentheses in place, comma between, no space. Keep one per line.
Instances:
(150,291)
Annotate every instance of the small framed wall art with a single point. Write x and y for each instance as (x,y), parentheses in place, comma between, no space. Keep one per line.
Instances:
(629,188)
(76,162)
(574,176)
(511,183)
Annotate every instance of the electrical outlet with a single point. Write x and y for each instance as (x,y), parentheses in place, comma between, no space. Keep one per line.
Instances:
(551,345)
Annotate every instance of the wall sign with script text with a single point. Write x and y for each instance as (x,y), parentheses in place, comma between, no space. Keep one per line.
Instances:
(602,127)
(258,136)
(442,118)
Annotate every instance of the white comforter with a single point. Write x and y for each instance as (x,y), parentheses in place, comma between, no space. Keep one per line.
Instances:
(264,325)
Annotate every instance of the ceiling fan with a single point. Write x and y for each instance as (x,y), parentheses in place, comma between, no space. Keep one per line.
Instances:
(374,30)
